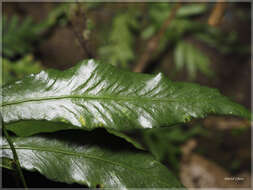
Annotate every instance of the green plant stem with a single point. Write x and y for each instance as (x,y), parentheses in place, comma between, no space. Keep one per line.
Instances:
(15,156)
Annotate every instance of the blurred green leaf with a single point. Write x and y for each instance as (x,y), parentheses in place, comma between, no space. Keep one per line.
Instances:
(225,42)
(14,70)
(179,54)
(60,11)
(164,143)
(20,36)
(148,32)
(182,25)
(192,10)
(119,51)
(185,54)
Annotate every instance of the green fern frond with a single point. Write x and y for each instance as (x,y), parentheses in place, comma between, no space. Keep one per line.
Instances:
(19,36)
(119,51)
(185,54)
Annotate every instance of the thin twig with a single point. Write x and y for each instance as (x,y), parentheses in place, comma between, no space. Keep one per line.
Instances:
(154,41)
(15,157)
(217,13)
(78,25)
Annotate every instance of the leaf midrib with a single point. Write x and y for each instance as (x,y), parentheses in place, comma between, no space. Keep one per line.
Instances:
(109,98)
(89,156)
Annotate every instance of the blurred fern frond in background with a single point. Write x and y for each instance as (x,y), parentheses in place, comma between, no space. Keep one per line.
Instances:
(119,50)
(192,57)
(165,143)
(20,37)
(188,23)
(13,70)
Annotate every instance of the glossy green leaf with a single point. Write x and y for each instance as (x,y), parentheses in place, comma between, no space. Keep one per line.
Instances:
(92,95)
(90,158)
(28,128)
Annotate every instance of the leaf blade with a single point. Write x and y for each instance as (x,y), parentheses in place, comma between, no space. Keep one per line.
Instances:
(78,157)
(93,95)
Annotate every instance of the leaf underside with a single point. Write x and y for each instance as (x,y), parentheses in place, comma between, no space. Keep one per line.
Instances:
(84,158)
(92,95)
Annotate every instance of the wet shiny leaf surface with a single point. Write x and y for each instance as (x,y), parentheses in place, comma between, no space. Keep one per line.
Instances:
(92,158)
(93,95)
